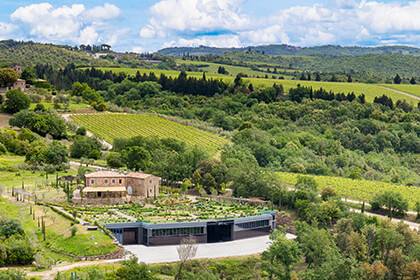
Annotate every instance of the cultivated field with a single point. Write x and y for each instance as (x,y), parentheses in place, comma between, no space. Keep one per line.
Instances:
(210,67)
(410,89)
(370,90)
(356,189)
(110,126)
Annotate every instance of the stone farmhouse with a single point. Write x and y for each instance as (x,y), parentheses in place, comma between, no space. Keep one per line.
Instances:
(103,186)
(19,84)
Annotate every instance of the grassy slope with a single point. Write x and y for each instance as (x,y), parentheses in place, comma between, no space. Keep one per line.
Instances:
(356,189)
(57,234)
(127,125)
(233,70)
(370,90)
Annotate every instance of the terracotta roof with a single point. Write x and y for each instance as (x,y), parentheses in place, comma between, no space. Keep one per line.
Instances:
(104,189)
(101,174)
(138,175)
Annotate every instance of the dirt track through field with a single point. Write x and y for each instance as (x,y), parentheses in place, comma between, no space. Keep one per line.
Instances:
(401,92)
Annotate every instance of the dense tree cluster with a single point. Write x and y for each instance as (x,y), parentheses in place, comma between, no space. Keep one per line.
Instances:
(40,122)
(169,158)
(14,248)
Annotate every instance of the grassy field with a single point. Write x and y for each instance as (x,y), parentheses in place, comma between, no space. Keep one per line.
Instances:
(49,105)
(356,189)
(411,89)
(110,126)
(33,181)
(370,90)
(233,70)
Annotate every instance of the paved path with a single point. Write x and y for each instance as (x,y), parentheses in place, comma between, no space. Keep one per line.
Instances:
(125,215)
(160,254)
(401,92)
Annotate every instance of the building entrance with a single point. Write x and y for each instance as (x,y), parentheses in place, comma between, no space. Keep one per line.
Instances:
(219,231)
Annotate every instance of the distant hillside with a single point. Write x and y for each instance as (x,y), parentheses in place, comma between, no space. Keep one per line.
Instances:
(30,53)
(379,64)
(292,50)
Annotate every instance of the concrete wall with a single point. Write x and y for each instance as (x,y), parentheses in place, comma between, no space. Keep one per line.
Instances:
(174,240)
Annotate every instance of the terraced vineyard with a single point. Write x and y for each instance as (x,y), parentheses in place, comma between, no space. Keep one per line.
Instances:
(111,125)
(356,189)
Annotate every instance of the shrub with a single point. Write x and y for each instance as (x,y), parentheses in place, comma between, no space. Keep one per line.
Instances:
(16,101)
(73,231)
(9,227)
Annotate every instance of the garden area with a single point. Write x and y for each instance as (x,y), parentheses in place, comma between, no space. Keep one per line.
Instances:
(167,209)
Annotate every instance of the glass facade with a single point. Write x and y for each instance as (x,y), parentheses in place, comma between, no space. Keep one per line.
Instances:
(177,231)
(252,225)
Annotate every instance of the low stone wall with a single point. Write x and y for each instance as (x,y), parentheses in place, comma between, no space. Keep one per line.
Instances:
(117,254)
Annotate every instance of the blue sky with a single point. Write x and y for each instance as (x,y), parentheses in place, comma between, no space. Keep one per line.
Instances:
(149,25)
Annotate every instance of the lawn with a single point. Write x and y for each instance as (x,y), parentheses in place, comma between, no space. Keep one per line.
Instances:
(73,106)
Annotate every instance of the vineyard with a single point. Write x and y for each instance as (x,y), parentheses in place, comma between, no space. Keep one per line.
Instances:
(356,189)
(109,126)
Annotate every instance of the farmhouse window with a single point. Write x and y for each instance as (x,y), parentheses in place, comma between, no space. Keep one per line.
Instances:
(92,181)
(120,181)
(106,181)
(150,181)
(113,181)
(150,190)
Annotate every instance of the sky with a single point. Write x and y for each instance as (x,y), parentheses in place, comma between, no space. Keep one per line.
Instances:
(150,25)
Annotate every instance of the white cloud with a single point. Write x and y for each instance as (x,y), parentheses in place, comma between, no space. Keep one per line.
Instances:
(138,49)
(7,30)
(194,17)
(211,41)
(74,24)
(392,17)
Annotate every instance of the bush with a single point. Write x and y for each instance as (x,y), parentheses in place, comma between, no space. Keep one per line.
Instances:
(19,251)
(81,131)
(73,231)
(3,149)
(39,107)
(16,101)
(12,274)
(35,98)
(114,160)
(9,227)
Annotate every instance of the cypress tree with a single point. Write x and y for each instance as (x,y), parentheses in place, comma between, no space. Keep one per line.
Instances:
(397,79)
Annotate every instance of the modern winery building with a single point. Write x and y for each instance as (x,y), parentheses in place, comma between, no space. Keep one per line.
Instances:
(205,232)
